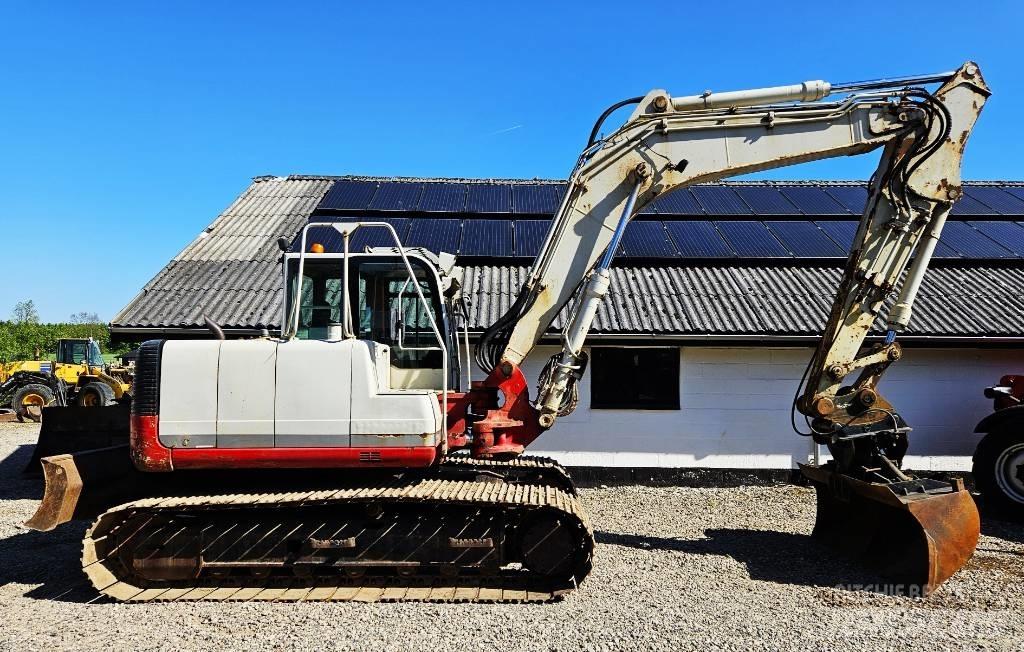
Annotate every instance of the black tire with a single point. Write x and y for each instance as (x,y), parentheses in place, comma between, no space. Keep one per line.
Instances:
(95,394)
(999,471)
(29,400)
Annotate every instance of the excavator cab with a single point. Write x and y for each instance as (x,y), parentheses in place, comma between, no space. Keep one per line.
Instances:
(383,307)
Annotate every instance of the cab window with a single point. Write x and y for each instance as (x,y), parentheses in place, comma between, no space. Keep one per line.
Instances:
(385,305)
(390,312)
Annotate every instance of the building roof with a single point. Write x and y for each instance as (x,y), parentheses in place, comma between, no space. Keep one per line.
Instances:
(725,259)
(755,301)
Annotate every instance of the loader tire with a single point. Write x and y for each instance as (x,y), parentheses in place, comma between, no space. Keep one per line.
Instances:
(29,400)
(95,395)
(999,471)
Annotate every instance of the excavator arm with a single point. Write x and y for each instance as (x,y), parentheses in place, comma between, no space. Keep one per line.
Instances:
(671,142)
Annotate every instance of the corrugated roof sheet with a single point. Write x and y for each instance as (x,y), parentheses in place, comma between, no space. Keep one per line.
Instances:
(775,300)
(230,273)
(230,270)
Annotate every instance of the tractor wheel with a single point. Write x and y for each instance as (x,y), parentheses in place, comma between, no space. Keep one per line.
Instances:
(29,400)
(999,471)
(95,395)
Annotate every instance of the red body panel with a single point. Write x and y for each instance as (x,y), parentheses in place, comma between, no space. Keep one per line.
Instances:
(149,454)
(507,430)
(1016,384)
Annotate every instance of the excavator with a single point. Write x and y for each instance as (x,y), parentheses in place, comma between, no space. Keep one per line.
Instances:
(352,457)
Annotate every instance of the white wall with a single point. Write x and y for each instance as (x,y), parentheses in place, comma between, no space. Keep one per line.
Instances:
(735,411)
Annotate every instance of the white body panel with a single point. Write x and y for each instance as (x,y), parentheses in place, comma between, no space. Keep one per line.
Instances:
(188,393)
(314,397)
(246,393)
(301,393)
(381,416)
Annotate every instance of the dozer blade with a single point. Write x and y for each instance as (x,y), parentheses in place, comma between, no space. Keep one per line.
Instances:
(83,485)
(73,429)
(915,534)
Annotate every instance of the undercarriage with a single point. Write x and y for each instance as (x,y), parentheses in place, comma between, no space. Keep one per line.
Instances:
(465,531)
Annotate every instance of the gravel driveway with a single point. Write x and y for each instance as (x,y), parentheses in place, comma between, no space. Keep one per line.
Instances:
(675,569)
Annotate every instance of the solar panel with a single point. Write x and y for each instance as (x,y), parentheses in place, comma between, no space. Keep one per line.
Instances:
(1008,234)
(805,240)
(751,239)
(812,200)
(647,239)
(362,238)
(435,235)
(970,243)
(535,199)
(766,201)
(349,195)
(943,250)
(397,196)
(443,198)
(1016,191)
(968,205)
(997,199)
(680,202)
(489,198)
(486,238)
(720,200)
(529,236)
(377,236)
(852,197)
(698,239)
(842,232)
(324,235)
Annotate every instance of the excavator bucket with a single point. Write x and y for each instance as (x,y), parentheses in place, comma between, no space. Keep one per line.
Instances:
(83,485)
(914,534)
(73,429)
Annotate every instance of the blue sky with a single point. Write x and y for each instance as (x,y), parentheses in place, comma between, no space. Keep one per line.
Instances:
(127,128)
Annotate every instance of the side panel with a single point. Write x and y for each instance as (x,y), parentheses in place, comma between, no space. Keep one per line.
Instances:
(313,401)
(245,393)
(188,393)
(385,417)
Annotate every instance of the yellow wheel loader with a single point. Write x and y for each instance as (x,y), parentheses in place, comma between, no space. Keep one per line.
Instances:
(76,376)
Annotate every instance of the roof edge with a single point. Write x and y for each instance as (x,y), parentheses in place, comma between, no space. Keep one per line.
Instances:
(545,181)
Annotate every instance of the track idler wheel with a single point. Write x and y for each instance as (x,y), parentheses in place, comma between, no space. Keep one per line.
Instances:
(549,546)
(915,534)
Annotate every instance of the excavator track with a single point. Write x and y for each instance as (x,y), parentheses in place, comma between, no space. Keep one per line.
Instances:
(432,537)
(525,468)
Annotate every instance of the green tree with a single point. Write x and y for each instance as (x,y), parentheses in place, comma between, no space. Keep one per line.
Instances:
(25,312)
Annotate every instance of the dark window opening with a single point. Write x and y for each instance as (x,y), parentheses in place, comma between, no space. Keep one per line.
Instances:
(634,379)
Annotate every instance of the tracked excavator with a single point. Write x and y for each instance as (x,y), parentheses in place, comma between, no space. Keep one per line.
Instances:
(352,458)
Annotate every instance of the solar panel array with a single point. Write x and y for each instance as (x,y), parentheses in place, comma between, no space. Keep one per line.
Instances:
(541,199)
(647,238)
(750,221)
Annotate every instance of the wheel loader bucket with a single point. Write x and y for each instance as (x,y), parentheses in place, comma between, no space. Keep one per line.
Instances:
(914,534)
(73,429)
(83,485)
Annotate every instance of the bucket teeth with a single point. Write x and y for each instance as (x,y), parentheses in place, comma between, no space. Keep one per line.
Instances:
(915,534)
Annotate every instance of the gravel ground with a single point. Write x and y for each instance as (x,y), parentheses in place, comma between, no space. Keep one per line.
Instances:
(675,569)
